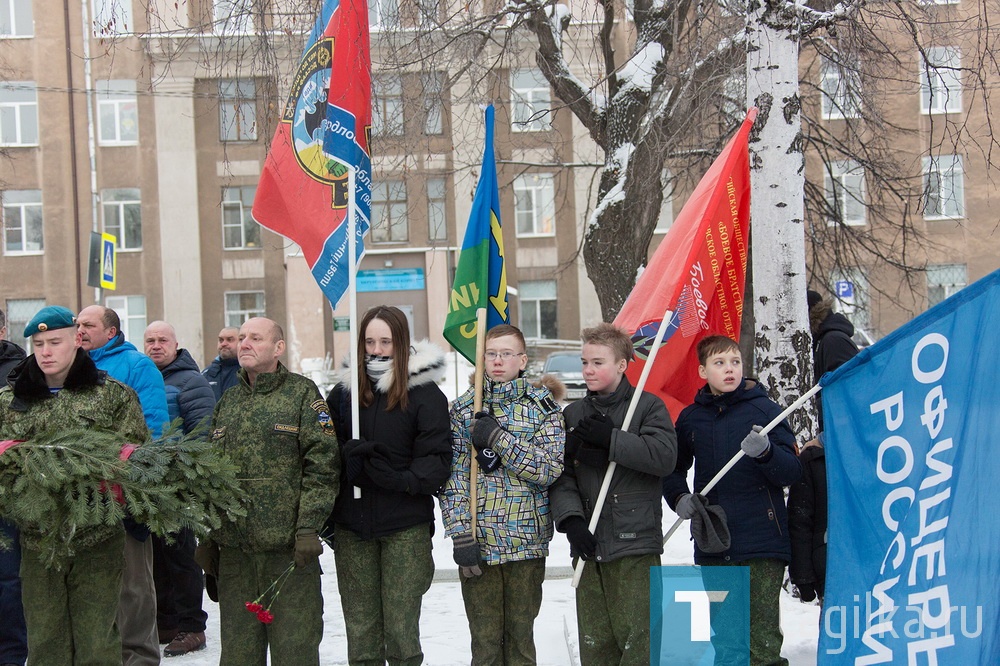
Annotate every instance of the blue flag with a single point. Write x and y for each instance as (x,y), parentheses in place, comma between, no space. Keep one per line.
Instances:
(913,468)
(481,277)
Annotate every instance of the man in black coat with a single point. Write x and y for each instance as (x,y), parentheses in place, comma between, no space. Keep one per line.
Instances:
(222,372)
(13,634)
(180,619)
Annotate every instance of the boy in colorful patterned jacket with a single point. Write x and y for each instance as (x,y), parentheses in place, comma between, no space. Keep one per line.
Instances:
(518,441)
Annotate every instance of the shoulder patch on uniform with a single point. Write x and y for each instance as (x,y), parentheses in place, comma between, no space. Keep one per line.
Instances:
(290,429)
(219,433)
(323,415)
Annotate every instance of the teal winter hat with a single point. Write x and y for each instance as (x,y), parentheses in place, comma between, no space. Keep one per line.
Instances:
(50,318)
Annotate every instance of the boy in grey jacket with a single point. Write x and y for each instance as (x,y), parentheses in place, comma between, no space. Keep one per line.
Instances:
(612,600)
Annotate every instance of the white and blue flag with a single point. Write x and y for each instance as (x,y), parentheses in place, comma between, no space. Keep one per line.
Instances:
(913,467)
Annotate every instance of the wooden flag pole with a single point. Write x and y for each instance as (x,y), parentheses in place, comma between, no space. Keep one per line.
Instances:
(739,454)
(602,495)
(477,406)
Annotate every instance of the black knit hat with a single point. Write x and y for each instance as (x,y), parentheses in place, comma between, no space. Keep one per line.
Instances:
(813,298)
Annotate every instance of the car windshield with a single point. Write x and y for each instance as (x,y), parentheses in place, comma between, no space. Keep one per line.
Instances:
(567,363)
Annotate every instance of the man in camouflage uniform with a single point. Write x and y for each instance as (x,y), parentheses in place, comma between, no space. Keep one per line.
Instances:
(70,612)
(276,426)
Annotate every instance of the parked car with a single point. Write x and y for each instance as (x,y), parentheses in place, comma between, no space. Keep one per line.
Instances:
(567,368)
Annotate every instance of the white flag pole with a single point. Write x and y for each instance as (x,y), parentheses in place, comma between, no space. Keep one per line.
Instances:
(352,303)
(633,404)
(739,454)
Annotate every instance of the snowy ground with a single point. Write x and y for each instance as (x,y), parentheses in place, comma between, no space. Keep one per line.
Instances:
(443,627)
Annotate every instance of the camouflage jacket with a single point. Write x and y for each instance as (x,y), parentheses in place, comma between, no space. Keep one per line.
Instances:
(513,518)
(280,433)
(88,399)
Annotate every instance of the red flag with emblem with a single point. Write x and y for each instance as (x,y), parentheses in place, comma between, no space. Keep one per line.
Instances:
(698,273)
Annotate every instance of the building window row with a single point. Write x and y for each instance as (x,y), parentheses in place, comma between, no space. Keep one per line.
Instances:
(394,103)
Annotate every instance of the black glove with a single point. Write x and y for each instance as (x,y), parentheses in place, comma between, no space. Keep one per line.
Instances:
(382,474)
(467,555)
(807,591)
(483,428)
(596,430)
(573,443)
(354,453)
(581,540)
(308,547)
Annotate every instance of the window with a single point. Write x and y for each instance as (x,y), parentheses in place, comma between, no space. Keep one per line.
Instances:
(239,229)
(132,311)
(19,313)
(22,222)
(242,305)
(437,217)
(387,106)
(389,223)
(534,205)
(430,13)
(383,13)
(117,113)
(18,113)
(734,96)
(433,88)
(233,17)
(123,217)
(944,187)
(112,17)
(529,93)
(237,110)
(538,309)
(941,81)
(944,280)
(840,89)
(666,217)
(15,18)
(844,182)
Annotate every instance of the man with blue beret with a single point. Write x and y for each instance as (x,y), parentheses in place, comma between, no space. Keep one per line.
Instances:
(70,607)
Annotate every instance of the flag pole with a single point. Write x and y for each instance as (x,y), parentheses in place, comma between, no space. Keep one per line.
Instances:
(602,496)
(352,300)
(477,406)
(739,454)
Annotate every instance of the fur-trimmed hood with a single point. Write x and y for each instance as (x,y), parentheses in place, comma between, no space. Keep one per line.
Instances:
(427,366)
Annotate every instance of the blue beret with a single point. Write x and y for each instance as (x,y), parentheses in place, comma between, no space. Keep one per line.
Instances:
(49,318)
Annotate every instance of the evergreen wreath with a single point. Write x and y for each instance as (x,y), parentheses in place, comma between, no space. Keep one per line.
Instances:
(58,485)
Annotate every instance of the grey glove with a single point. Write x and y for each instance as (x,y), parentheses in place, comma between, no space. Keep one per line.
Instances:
(755,445)
(467,555)
(685,507)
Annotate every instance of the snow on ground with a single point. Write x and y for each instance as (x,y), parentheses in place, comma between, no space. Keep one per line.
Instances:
(443,627)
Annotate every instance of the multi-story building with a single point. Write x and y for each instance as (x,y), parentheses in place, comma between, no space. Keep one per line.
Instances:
(151,120)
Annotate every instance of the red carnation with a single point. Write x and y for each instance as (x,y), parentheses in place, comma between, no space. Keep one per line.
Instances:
(254,607)
(265,616)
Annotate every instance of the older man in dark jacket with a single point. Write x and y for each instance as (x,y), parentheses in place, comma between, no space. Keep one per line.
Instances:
(180,619)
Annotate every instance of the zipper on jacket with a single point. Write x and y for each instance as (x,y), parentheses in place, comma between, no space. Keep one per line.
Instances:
(771,513)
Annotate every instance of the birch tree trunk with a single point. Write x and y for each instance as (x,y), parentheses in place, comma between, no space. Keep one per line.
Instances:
(782,342)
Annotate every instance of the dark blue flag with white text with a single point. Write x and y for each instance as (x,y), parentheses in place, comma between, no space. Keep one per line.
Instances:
(913,469)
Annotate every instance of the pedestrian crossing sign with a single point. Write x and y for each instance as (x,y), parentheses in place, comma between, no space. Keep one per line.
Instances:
(109,260)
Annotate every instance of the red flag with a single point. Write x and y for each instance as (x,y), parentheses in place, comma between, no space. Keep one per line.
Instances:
(698,273)
(303,189)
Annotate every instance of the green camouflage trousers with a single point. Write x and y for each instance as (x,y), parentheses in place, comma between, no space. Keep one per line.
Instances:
(297,629)
(502,605)
(612,611)
(766,577)
(70,614)
(382,583)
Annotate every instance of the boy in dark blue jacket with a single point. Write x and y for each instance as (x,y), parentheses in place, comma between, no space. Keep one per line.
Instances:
(727,415)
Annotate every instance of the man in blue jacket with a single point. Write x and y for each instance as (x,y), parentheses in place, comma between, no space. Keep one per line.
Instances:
(179,583)
(99,330)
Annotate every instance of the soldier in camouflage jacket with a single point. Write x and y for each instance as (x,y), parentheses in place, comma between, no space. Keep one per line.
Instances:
(276,426)
(518,441)
(70,612)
